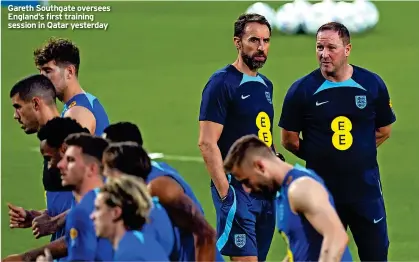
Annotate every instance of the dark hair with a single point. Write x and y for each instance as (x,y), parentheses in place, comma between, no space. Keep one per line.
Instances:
(244,19)
(93,146)
(124,132)
(131,195)
(242,147)
(56,130)
(35,86)
(341,29)
(129,158)
(61,50)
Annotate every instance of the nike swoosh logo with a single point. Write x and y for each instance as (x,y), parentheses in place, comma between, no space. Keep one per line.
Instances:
(378,220)
(244,97)
(319,104)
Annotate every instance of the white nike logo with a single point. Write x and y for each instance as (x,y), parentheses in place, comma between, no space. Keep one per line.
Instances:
(378,220)
(244,97)
(319,104)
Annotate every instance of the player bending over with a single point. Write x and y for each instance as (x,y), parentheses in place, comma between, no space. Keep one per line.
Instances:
(170,188)
(121,210)
(59,60)
(306,216)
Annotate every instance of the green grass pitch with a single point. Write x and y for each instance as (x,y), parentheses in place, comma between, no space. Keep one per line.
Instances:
(150,67)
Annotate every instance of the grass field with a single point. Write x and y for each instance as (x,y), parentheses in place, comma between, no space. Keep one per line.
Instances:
(150,66)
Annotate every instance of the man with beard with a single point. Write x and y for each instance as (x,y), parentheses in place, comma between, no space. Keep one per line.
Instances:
(236,101)
(344,114)
(59,60)
(306,216)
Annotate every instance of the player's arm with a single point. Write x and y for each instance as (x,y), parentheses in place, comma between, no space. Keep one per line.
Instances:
(213,111)
(291,122)
(382,134)
(45,225)
(58,249)
(185,215)
(82,237)
(310,198)
(384,114)
(84,116)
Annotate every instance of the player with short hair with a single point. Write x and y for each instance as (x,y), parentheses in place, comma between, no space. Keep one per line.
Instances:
(236,101)
(52,147)
(34,100)
(174,194)
(81,168)
(122,209)
(59,60)
(343,113)
(123,132)
(305,213)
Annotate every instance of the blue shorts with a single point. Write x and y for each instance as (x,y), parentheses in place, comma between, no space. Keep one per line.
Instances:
(245,224)
(368,224)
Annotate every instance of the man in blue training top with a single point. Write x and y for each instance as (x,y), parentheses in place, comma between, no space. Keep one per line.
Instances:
(236,101)
(122,208)
(59,60)
(52,136)
(174,195)
(34,101)
(306,216)
(81,168)
(343,113)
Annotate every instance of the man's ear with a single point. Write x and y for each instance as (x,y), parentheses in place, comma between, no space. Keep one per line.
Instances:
(63,148)
(36,103)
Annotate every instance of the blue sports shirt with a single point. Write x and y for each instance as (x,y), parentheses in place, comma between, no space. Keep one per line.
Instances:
(93,105)
(160,227)
(81,239)
(338,121)
(136,246)
(303,241)
(184,249)
(239,102)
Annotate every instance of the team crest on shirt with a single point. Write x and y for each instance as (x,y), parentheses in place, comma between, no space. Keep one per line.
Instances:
(361,101)
(73,236)
(72,104)
(240,240)
(268,97)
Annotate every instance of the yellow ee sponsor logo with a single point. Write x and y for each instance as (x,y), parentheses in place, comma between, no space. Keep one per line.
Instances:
(263,123)
(342,138)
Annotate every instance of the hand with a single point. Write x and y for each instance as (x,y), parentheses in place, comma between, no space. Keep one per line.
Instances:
(44,225)
(45,258)
(18,217)
(14,257)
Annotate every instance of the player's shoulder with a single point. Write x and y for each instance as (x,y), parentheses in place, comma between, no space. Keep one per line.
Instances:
(226,76)
(361,74)
(309,80)
(78,213)
(266,80)
(88,200)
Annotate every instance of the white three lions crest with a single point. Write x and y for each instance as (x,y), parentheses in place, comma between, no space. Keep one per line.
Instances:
(268,97)
(361,101)
(240,240)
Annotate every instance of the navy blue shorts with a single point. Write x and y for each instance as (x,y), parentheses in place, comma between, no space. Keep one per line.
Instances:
(245,225)
(368,224)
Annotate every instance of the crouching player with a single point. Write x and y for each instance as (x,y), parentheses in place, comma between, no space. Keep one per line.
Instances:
(306,216)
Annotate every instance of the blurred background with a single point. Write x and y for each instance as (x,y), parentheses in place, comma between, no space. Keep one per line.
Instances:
(152,63)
